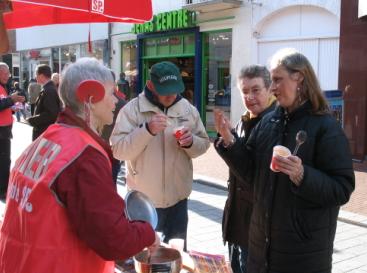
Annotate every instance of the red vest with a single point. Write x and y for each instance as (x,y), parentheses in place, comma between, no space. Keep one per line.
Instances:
(36,235)
(6,115)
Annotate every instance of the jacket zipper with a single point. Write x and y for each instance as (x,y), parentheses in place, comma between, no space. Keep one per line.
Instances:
(164,164)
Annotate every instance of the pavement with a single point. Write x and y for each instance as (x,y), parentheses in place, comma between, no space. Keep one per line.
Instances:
(208,198)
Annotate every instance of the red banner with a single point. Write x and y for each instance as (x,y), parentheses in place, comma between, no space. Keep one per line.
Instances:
(48,12)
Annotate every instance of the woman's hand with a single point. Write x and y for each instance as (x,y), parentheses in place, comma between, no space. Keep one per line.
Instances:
(291,166)
(223,126)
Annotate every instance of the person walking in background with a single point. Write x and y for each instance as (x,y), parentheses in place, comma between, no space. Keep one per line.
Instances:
(296,203)
(34,90)
(21,108)
(68,216)
(253,83)
(6,123)
(123,86)
(107,129)
(159,164)
(48,103)
(55,77)
(25,82)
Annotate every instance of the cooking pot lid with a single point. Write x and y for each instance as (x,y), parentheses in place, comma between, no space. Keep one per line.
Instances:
(139,207)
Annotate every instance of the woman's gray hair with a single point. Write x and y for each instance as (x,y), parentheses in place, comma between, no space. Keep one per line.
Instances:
(256,71)
(73,74)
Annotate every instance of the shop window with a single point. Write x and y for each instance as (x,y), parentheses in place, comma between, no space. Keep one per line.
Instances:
(128,64)
(217,52)
(169,46)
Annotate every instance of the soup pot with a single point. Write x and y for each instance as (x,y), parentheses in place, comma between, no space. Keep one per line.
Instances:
(161,260)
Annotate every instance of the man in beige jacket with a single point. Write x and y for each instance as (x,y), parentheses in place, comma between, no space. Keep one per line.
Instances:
(159,163)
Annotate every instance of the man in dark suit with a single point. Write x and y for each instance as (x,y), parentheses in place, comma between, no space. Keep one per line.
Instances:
(48,103)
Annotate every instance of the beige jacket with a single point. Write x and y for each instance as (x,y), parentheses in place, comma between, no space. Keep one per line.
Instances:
(157,165)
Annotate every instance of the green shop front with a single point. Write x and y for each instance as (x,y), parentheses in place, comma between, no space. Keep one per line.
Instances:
(203,58)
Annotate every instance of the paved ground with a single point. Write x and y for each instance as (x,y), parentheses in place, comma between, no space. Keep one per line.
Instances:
(206,204)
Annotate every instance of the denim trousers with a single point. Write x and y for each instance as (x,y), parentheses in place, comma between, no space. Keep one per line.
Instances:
(172,221)
(237,257)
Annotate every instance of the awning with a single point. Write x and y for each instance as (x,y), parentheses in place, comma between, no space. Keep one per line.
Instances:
(47,12)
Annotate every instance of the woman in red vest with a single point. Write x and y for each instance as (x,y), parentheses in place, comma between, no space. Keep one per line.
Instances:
(63,211)
(6,122)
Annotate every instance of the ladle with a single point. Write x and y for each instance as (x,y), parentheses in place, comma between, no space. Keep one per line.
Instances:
(300,139)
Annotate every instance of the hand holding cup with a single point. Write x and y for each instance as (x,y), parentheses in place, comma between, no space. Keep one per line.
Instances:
(278,151)
(183,136)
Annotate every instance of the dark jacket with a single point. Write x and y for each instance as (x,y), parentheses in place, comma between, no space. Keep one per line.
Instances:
(48,105)
(293,228)
(238,209)
(107,129)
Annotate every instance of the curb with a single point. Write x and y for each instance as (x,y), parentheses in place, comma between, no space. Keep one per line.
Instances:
(210,182)
(344,216)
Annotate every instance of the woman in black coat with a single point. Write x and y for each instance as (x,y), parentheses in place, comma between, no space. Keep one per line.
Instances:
(253,83)
(295,210)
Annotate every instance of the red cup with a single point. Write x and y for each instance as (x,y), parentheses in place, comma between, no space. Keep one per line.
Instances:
(178,132)
(280,151)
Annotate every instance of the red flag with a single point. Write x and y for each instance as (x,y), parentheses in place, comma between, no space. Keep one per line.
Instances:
(47,12)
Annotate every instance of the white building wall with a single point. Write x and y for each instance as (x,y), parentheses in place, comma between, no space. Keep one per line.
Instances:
(312,30)
(58,35)
(241,56)
(311,26)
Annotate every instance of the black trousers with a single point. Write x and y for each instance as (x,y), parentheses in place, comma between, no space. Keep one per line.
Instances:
(4,164)
(173,221)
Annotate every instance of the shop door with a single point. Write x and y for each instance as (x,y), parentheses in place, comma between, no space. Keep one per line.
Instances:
(216,88)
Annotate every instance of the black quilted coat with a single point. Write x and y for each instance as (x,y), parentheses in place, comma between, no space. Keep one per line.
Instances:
(238,209)
(292,228)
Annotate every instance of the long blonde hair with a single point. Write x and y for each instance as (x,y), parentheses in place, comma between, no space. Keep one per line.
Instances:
(293,62)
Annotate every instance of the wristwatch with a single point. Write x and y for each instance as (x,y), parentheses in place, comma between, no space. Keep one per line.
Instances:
(233,141)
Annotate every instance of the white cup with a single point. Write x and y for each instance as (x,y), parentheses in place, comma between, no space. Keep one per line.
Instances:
(177,244)
(280,151)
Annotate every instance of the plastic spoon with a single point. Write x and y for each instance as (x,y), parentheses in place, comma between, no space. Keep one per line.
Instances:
(300,139)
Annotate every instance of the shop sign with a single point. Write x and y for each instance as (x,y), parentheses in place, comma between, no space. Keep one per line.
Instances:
(167,21)
(362,8)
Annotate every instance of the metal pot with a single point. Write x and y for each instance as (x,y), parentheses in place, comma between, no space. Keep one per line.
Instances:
(161,260)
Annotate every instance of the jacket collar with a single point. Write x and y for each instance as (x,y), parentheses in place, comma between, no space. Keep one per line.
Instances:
(246,117)
(50,82)
(301,111)
(153,100)
(178,109)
